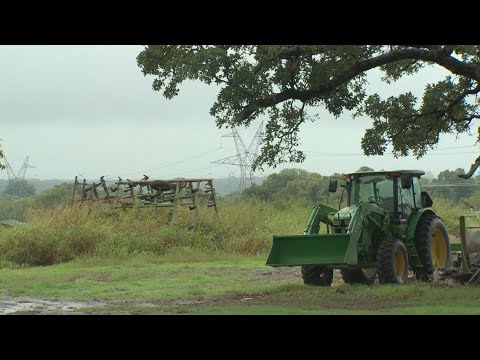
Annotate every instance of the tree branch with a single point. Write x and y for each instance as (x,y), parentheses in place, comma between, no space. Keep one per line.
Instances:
(439,57)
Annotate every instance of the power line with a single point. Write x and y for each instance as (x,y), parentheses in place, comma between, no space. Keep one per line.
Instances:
(192,171)
(454,153)
(454,147)
(320,153)
(450,185)
(174,162)
(315,154)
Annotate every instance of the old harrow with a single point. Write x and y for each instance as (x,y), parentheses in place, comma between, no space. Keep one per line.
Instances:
(145,193)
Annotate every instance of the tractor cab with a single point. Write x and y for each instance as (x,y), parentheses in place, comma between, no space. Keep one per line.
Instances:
(398,192)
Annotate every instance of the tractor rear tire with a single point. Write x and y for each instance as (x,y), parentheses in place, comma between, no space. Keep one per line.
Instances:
(392,261)
(433,246)
(317,275)
(359,276)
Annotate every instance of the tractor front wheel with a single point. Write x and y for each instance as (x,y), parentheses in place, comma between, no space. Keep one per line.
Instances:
(392,261)
(317,275)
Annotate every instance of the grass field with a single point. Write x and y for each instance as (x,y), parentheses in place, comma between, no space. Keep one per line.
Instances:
(220,285)
(130,262)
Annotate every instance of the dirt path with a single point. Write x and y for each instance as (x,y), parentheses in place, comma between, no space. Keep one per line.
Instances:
(39,306)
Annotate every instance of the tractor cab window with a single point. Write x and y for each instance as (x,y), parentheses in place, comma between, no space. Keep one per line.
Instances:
(408,198)
(405,202)
(375,189)
(418,192)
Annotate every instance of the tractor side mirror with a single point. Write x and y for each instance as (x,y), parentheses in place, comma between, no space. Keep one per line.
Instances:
(333,185)
(426,199)
(406,181)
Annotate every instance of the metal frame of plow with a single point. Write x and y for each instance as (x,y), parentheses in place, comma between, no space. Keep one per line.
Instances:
(146,193)
(469,273)
(466,265)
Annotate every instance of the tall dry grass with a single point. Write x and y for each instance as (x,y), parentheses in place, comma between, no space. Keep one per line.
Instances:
(64,233)
(242,227)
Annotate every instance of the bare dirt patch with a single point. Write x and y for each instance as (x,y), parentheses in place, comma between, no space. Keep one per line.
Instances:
(32,305)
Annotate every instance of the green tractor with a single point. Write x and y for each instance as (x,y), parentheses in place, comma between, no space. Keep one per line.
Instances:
(387,229)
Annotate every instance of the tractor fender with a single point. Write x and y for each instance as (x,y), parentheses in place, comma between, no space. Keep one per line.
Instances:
(413,221)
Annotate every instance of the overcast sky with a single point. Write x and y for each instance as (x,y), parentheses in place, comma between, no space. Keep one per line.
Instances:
(89,110)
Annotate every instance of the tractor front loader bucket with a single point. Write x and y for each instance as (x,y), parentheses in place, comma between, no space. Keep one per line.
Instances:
(325,249)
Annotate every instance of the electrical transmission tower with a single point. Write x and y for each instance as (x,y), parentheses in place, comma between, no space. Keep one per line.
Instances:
(21,173)
(245,156)
(11,175)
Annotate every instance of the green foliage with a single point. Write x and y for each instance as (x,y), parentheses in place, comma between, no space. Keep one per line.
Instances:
(2,166)
(456,188)
(450,211)
(288,82)
(13,208)
(59,194)
(19,188)
(17,207)
(294,185)
(365,169)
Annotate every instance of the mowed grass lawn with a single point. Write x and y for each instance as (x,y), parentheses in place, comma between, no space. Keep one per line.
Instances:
(149,284)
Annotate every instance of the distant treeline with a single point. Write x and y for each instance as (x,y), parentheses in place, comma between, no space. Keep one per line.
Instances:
(312,187)
(223,186)
(283,187)
(39,185)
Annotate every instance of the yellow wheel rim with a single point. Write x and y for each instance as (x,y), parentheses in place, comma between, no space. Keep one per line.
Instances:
(399,264)
(438,249)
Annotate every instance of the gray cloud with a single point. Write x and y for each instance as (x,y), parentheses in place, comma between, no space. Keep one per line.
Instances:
(90,110)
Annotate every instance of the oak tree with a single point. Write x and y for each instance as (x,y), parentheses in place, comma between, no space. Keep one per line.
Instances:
(2,166)
(290,82)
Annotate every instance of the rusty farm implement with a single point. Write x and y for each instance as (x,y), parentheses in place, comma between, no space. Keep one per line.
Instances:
(145,193)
